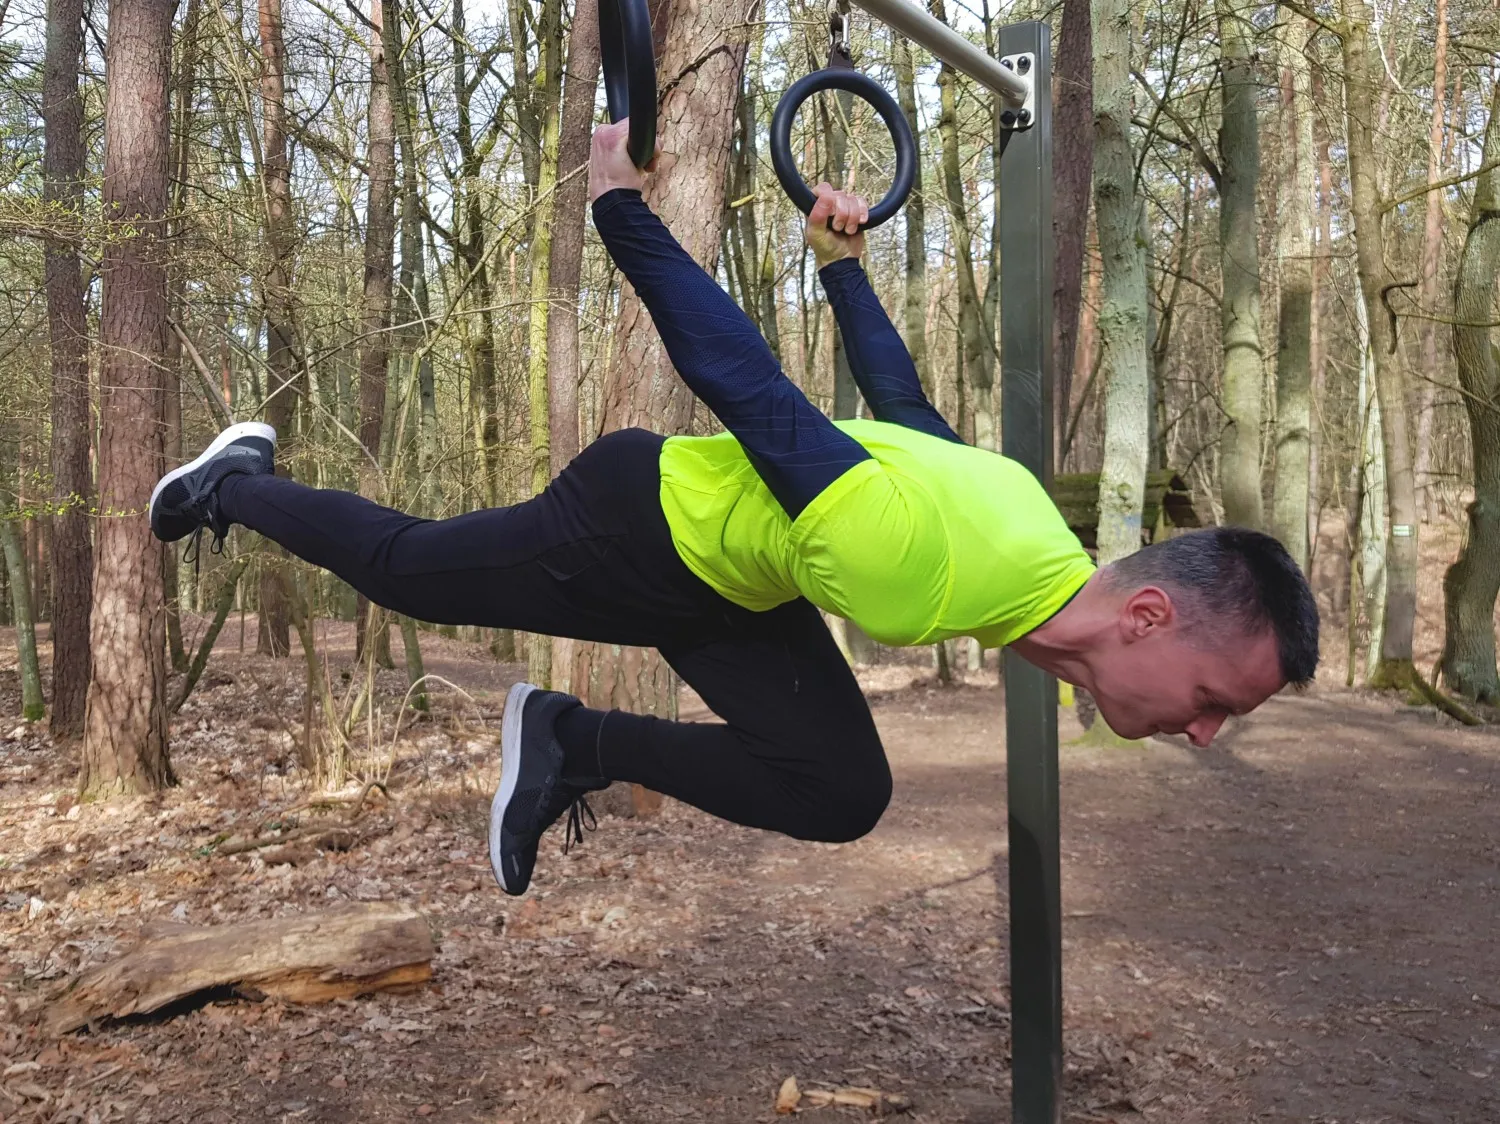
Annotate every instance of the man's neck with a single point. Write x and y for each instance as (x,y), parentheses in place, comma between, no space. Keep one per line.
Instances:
(1062,644)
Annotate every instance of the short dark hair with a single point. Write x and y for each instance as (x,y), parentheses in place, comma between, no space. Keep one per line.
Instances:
(1235,575)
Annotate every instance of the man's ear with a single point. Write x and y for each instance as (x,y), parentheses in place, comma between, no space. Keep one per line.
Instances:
(1147,610)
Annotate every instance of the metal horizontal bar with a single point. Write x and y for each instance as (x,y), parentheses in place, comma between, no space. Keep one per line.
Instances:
(948,46)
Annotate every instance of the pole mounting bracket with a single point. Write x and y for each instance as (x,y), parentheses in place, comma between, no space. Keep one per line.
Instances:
(1017,116)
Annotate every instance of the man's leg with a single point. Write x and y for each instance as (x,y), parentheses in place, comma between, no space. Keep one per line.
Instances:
(579,560)
(797,752)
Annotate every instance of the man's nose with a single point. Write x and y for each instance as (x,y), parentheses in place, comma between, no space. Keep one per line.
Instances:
(1201,730)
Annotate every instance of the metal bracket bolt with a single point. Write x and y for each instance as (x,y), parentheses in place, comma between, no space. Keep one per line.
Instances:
(1021,116)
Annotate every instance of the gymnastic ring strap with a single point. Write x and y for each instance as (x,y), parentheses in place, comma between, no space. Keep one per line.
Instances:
(629,63)
(861,86)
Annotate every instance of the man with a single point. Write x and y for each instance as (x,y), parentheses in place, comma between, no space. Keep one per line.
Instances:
(719,551)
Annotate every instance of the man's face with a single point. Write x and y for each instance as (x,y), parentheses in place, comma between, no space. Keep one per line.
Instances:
(1167,675)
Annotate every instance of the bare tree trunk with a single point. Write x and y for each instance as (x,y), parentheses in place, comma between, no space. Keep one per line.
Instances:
(1294,356)
(977,347)
(1317,349)
(183,116)
(33,708)
(548,88)
(915,217)
(380,248)
(125,729)
(1072,176)
(564,369)
(699,72)
(1395,665)
(1244,374)
(72,483)
(1473,582)
(1123,293)
(747,261)
(413,306)
(273,636)
(1432,259)
(411,314)
(473,253)
(1088,356)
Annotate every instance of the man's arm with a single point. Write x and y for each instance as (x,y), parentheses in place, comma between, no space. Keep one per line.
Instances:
(878,359)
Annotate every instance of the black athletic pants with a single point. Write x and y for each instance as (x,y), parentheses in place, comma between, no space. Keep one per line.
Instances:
(592,558)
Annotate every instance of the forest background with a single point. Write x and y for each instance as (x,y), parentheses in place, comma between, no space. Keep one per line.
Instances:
(365,224)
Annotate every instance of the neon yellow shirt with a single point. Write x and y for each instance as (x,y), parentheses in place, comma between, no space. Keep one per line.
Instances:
(928,540)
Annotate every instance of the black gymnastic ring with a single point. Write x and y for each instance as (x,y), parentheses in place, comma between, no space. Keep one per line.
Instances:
(861,86)
(629,63)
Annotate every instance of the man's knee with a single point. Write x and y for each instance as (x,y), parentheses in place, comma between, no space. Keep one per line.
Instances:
(854,803)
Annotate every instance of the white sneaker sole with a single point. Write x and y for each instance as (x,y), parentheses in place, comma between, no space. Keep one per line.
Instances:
(219,443)
(510,771)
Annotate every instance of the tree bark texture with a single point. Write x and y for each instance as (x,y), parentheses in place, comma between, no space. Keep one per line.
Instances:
(1432,260)
(379,254)
(33,708)
(413,305)
(1294,345)
(1316,347)
(473,254)
(753,266)
(1244,370)
(1072,176)
(273,635)
(184,86)
(698,76)
(380,248)
(547,83)
(1122,298)
(1369,515)
(1360,68)
(67,329)
(547,89)
(1472,583)
(978,352)
(411,313)
(914,215)
(569,216)
(125,728)
(564,367)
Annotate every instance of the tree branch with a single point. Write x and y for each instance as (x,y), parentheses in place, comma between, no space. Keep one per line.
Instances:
(1437,185)
(1192,142)
(210,391)
(1334,29)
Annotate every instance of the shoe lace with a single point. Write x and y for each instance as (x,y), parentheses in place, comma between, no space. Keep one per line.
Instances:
(580,815)
(193,550)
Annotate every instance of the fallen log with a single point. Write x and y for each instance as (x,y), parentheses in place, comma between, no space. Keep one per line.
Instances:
(309,958)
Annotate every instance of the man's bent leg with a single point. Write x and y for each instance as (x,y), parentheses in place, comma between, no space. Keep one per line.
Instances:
(797,752)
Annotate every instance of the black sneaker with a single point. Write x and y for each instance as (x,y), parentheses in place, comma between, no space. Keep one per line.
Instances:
(532,794)
(186,498)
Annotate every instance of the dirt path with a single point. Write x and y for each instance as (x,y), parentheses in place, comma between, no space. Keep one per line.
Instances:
(1296,926)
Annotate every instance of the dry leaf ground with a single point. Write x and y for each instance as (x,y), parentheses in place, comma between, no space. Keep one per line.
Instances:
(1298,924)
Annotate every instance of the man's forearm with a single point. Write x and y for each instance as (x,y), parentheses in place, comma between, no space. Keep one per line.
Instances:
(878,358)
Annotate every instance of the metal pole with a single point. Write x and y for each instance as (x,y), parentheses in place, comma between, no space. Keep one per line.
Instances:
(1031,695)
(949,46)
